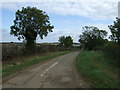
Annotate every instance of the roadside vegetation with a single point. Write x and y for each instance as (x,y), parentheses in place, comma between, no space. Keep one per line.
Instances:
(13,51)
(95,68)
(99,58)
(15,66)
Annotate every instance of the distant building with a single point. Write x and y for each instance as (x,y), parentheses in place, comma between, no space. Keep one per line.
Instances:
(76,44)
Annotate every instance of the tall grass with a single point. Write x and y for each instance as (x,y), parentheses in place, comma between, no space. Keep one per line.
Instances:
(94,66)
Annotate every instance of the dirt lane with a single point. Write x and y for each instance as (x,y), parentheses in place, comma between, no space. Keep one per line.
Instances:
(59,72)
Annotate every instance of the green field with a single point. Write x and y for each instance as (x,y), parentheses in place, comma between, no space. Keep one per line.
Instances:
(95,68)
(15,66)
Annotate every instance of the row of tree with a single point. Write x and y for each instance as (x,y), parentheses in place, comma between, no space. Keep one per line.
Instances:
(31,23)
(93,38)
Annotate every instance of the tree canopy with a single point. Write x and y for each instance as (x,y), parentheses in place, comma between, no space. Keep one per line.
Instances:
(68,41)
(30,23)
(92,37)
(61,40)
(115,37)
(65,41)
(115,30)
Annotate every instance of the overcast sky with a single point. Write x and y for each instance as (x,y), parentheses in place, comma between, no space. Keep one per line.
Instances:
(67,16)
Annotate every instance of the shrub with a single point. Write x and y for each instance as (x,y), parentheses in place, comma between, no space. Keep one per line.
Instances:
(10,51)
(111,50)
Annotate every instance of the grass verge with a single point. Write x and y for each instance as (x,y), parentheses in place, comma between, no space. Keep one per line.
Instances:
(94,66)
(15,66)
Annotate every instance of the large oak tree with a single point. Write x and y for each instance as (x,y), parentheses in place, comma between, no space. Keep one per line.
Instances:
(29,24)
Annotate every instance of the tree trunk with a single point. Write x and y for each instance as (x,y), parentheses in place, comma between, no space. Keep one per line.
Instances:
(30,46)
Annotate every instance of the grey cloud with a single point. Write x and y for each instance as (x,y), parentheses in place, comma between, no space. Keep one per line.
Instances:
(94,10)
